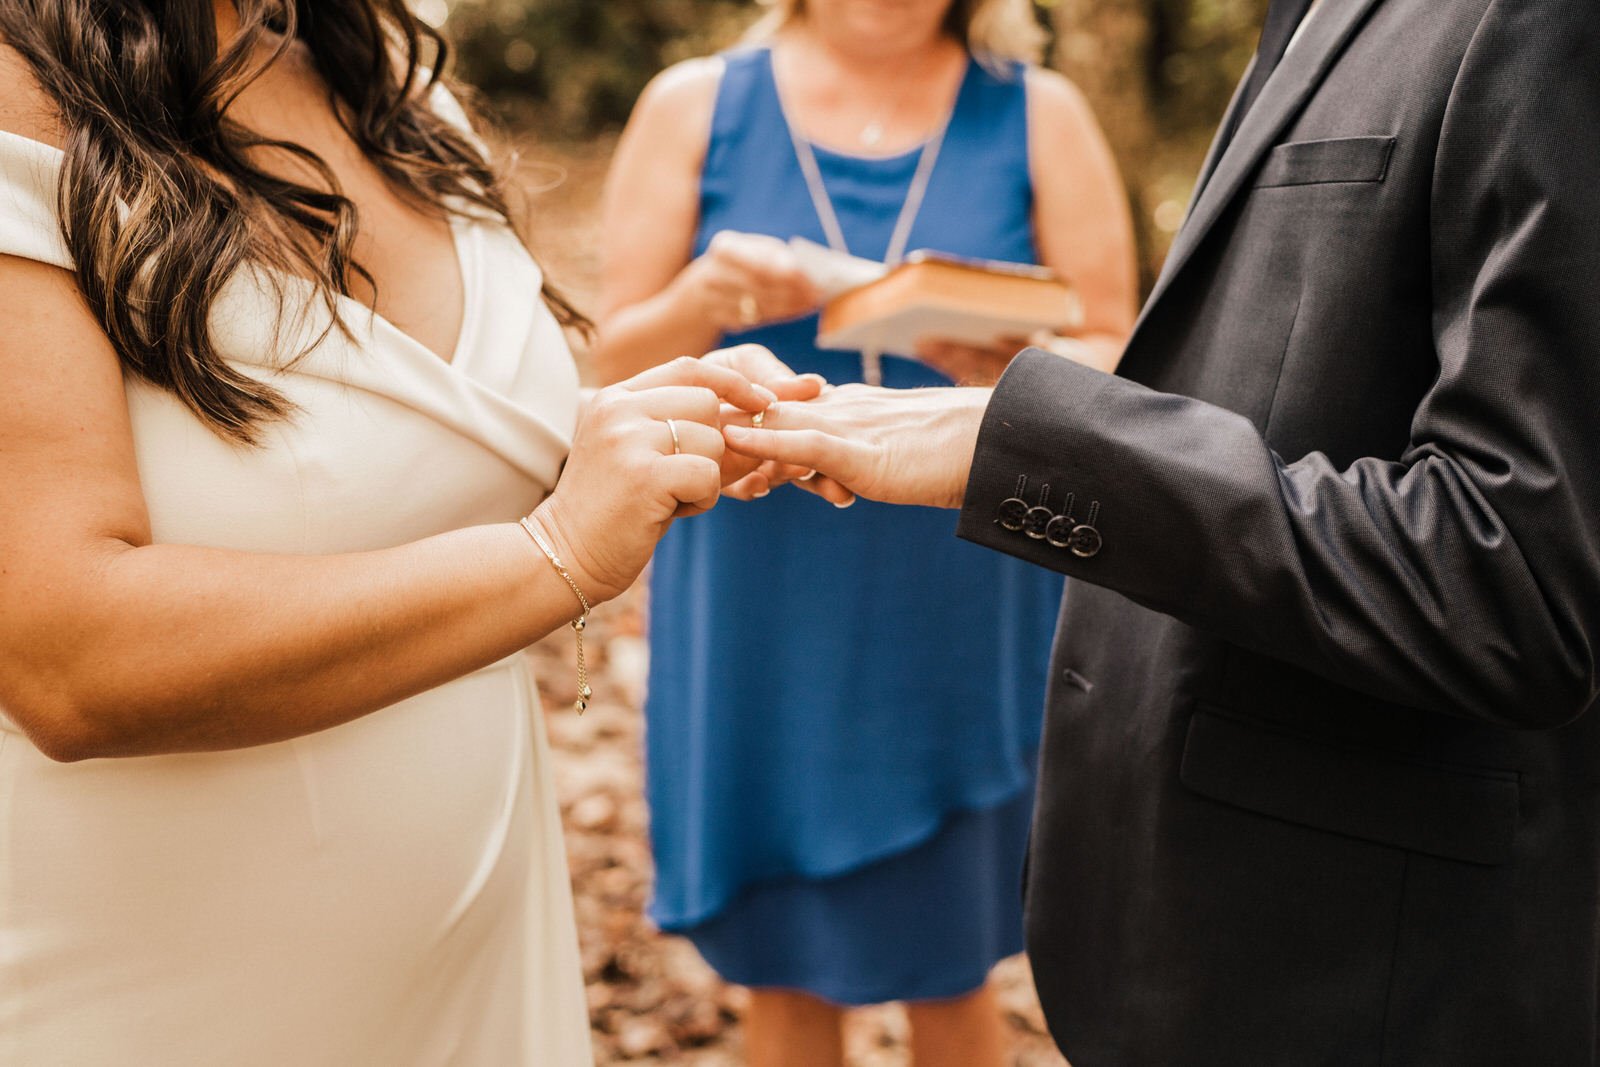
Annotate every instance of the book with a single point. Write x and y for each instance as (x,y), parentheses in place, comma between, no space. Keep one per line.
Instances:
(948,298)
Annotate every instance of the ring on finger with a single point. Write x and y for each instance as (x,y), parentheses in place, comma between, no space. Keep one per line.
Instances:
(749,310)
(677,443)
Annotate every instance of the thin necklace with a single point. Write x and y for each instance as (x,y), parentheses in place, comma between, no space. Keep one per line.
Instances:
(871,359)
(871,135)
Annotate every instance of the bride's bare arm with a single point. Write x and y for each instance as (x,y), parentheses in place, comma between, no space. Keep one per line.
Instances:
(113,646)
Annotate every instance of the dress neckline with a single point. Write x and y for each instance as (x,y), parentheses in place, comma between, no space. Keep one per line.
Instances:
(470,289)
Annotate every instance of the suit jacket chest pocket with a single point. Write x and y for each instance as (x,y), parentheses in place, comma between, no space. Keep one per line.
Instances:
(1342,160)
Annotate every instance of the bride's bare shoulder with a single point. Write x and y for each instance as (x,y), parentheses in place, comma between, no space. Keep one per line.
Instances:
(26,109)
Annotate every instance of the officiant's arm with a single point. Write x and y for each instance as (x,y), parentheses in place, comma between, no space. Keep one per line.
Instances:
(1463,578)
(658,299)
(1081,219)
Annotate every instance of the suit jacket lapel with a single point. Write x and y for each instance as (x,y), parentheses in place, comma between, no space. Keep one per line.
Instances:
(1284,95)
(1214,153)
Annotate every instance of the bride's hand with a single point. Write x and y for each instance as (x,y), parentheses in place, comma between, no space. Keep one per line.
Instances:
(628,476)
(901,446)
(759,365)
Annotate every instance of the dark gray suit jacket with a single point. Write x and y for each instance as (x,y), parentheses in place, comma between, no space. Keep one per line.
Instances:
(1317,784)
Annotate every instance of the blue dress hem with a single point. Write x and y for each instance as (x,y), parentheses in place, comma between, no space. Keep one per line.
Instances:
(861,998)
(681,924)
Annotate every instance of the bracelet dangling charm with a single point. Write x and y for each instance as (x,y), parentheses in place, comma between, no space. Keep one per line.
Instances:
(578,624)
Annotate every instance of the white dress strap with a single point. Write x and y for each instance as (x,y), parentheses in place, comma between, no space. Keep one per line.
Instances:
(447,107)
(30,179)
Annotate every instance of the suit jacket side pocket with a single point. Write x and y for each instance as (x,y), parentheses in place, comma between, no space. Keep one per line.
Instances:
(1458,813)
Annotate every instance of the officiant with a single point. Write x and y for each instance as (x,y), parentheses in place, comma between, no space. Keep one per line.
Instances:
(844,708)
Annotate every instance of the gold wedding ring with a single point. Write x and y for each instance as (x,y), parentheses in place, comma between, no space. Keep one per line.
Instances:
(749,310)
(677,445)
(758,418)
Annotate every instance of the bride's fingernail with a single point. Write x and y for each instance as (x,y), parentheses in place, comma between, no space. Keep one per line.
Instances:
(766,394)
(808,475)
(846,504)
(764,492)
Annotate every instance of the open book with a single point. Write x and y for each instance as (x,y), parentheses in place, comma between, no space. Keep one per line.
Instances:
(930,295)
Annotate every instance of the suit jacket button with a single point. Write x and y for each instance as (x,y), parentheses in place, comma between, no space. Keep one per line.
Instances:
(1059,532)
(1037,522)
(1012,513)
(1085,542)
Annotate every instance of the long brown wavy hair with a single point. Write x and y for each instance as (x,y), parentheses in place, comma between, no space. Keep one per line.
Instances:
(160,201)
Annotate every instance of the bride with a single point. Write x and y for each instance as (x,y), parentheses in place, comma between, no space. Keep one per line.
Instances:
(278,387)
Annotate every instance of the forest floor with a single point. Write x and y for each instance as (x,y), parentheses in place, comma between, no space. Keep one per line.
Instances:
(651,998)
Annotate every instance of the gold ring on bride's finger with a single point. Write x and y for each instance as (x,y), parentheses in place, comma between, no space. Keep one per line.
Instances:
(749,310)
(672,428)
(758,418)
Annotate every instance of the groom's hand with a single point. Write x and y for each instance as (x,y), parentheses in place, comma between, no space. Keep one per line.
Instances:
(901,446)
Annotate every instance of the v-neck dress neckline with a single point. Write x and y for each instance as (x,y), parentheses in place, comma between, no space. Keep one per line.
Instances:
(464,238)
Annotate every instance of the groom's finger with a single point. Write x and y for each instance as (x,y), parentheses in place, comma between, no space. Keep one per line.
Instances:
(726,382)
(752,479)
(752,486)
(829,490)
(783,474)
(810,449)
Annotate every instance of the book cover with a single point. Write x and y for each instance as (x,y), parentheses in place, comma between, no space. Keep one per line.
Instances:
(949,298)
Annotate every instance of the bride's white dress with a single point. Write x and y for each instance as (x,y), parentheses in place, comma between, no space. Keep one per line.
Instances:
(391,892)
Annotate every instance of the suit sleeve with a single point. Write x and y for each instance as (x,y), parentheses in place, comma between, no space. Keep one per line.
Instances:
(1463,578)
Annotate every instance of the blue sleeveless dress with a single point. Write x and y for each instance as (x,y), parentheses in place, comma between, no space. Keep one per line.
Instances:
(844,706)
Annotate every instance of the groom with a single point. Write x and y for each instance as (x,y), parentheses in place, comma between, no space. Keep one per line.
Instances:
(1318,786)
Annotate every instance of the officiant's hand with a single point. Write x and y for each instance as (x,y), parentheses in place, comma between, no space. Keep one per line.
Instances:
(745,280)
(901,446)
(966,364)
(980,365)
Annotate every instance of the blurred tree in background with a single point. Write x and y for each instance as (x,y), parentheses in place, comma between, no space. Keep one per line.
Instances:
(573,68)
(1159,72)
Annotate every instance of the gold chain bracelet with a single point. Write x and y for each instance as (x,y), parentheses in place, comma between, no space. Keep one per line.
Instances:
(584,692)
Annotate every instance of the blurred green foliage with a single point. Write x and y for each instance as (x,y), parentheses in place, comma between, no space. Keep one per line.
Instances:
(1159,74)
(572,68)
(1199,49)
